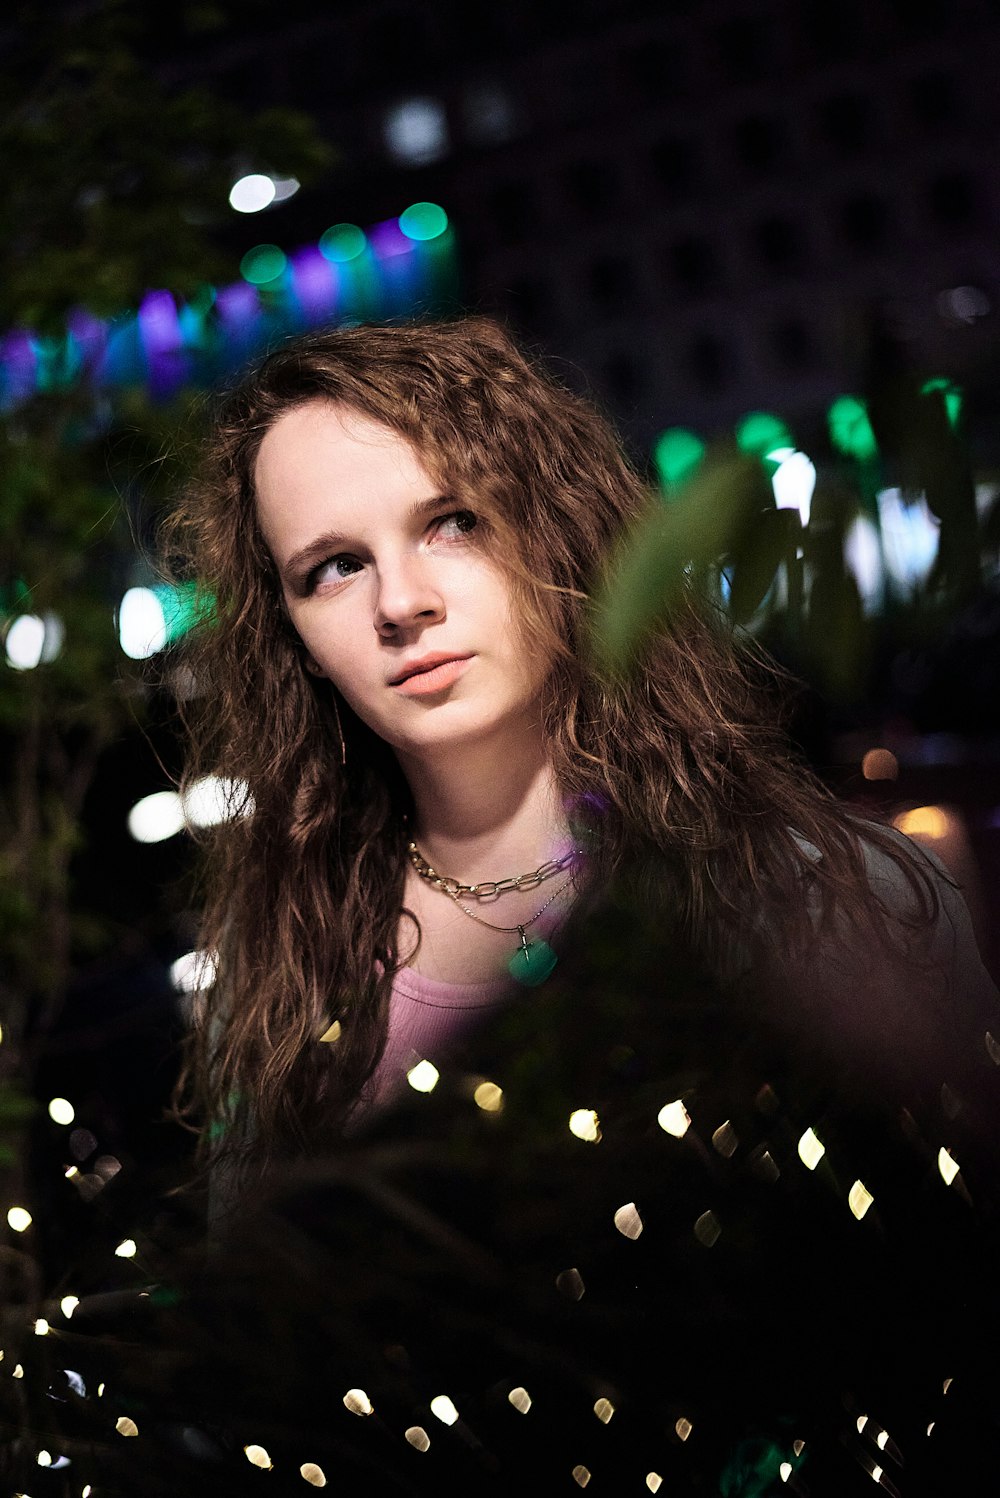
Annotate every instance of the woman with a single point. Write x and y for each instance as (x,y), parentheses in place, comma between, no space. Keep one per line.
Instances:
(451,806)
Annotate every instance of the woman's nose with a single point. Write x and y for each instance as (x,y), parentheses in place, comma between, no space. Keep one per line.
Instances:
(407,595)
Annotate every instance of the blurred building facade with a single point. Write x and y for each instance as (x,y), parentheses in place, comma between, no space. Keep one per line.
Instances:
(696,205)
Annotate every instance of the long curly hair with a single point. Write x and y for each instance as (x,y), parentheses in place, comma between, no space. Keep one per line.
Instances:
(684,756)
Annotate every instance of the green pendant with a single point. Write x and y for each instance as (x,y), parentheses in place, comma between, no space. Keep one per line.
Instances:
(532,963)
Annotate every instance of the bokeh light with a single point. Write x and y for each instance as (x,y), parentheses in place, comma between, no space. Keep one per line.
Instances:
(142,625)
(923,821)
(61,1111)
(25,642)
(793,482)
(760,432)
(252,193)
(19,1218)
(676,455)
(342,243)
(263,264)
(850,430)
(156,817)
(422,221)
(416,131)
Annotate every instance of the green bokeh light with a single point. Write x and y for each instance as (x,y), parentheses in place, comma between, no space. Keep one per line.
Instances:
(423,221)
(262,264)
(759,432)
(952,397)
(676,454)
(342,242)
(183,608)
(850,430)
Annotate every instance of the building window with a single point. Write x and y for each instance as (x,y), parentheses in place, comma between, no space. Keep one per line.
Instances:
(611,282)
(693,265)
(759,142)
(952,200)
(710,362)
(864,222)
(793,346)
(846,122)
(675,166)
(779,244)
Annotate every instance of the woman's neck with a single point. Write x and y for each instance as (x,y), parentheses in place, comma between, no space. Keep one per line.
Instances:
(480,816)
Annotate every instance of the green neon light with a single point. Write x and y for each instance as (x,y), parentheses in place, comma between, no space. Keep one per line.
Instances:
(952,398)
(262,264)
(759,433)
(183,607)
(849,427)
(342,242)
(676,454)
(423,221)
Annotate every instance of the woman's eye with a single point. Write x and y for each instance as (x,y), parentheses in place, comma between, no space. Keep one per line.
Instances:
(460,523)
(334,569)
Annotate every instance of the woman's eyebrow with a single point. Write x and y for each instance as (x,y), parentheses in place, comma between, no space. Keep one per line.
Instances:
(324,545)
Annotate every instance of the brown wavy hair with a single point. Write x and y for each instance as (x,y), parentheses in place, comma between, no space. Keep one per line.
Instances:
(684,756)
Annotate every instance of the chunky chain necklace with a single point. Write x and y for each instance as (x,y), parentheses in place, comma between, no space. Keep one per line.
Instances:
(534,959)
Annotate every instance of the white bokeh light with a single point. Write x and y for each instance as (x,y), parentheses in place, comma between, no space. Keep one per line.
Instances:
(252,193)
(910,536)
(863,558)
(416,131)
(156,817)
(25,642)
(793,482)
(214,799)
(194,971)
(142,627)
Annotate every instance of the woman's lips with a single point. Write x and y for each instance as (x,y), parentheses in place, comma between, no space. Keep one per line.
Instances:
(437,679)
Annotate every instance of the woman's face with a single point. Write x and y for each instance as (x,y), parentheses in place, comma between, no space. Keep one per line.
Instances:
(389,586)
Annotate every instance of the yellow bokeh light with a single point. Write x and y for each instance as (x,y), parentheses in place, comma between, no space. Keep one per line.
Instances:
(357,1401)
(423,1077)
(258,1457)
(585,1124)
(798,1447)
(442,1407)
(520,1399)
(333,1034)
(627,1221)
(18,1371)
(581,1476)
(313,1474)
(489,1097)
(947,1165)
(673,1118)
(923,821)
(725,1140)
(785,1471)
(708,1229)
(683,1427)
(19,1218)
(418,1437)
(61,1111)
(44,1458)
(41,1327)
(859,1199)
(881,1439)
(604,1410)
(126,1427)
(880,764)
(126,1249)
(654,1481)
(68,1305)
(811,1150)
